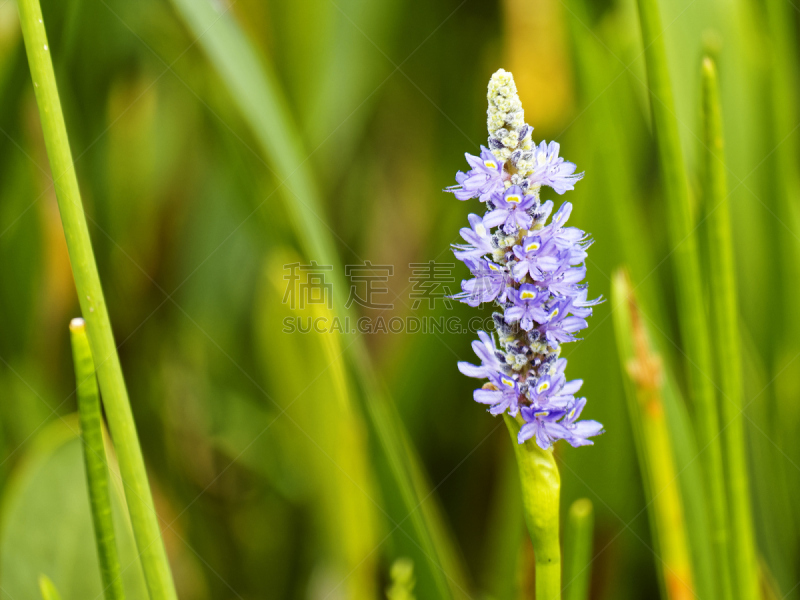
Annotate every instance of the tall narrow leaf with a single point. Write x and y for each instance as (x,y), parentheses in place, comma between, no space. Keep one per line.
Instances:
(644,379)
(93,306)
(724,307)
(686,264)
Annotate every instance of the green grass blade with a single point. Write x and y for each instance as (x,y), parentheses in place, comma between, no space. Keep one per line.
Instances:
(686,264)
(644,385)
(541,490)
(254,88)
(724,306)
(94,454)
(578,550)
(47,589)
(93,306)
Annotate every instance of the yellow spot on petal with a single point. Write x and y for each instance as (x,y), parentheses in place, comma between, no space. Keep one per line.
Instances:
(545,385)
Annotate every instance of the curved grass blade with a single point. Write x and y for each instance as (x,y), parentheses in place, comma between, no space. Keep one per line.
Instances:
(578,550)
(724,306)
(347,488)
(686,263)
(254,88)
(644,385)
(94,454)
(93,306)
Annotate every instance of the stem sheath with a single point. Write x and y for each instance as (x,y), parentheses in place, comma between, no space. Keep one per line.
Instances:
(94,454)
(541,487)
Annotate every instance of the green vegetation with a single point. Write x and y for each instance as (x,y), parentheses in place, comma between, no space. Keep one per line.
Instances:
(163,164)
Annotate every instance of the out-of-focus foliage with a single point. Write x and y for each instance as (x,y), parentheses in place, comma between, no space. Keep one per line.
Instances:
(270,478)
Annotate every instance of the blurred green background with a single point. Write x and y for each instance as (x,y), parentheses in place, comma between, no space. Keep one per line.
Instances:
(267,469)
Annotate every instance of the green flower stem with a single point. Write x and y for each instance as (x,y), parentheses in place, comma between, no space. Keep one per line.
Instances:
(726,329)
(93,307)
(94,454)
(578,571)
(541,486)
(691,306)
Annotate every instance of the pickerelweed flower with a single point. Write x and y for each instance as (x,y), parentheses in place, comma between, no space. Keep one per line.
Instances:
(531,270)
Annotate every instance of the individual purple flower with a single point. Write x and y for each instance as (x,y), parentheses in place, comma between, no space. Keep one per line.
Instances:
(511,210)
(552,170)
(552,390)
(542,424)
(534,257)
(578,432)
(564,279)
(556,324)
(484,179)
(566,238)
(491,361)
(478,238)
(550,425)
(488,284)
(502,395)
(528,300)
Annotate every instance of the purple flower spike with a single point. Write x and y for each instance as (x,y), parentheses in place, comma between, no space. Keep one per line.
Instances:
(535,276)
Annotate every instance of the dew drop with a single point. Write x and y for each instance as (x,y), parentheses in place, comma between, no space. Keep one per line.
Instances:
(45,46)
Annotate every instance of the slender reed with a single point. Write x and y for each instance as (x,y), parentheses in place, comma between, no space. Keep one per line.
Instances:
(724,306)
(541,489)
(644,385)
(685,260)
(94,455)
(578,565)
(93,306)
